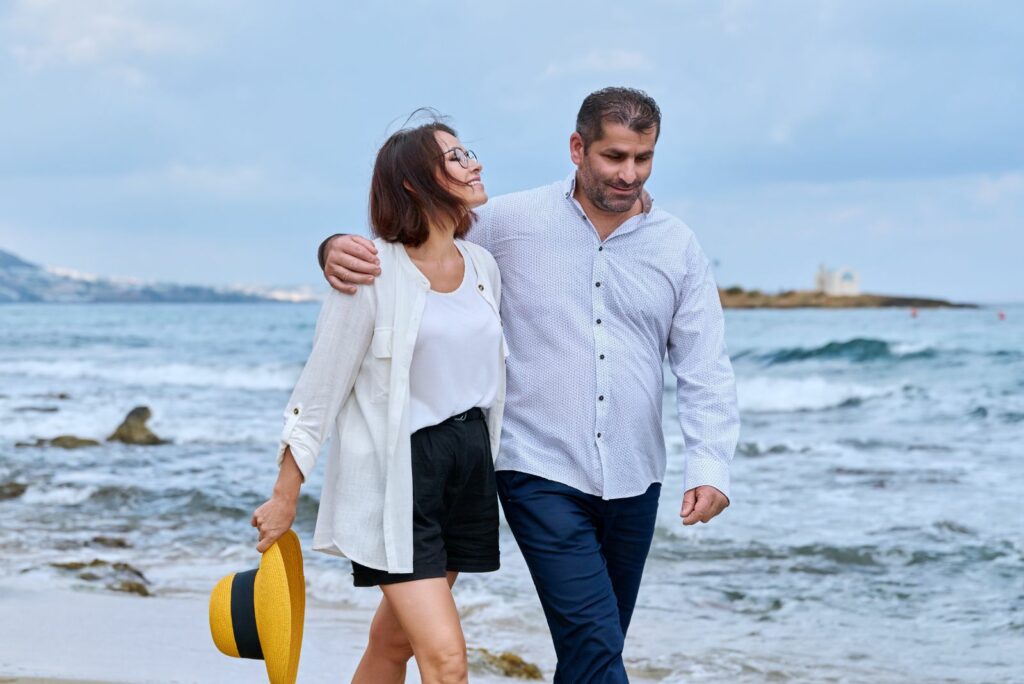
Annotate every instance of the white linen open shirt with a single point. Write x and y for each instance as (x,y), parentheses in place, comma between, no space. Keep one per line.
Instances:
(355,389)
(588,325)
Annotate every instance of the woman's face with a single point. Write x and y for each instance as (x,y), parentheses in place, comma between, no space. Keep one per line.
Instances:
(464,183)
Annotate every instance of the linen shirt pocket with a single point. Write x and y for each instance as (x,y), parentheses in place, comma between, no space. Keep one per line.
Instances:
(381,348)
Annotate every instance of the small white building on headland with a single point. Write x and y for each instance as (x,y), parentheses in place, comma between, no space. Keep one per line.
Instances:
(841,282)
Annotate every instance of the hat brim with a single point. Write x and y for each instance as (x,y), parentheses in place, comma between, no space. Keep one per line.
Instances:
(280,602)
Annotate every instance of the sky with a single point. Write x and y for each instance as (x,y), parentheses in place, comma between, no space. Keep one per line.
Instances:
(219,142)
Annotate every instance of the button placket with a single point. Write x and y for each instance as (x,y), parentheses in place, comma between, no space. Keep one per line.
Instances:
(599,323)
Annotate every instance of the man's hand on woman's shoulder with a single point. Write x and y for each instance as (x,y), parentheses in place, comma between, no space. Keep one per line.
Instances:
(349,261)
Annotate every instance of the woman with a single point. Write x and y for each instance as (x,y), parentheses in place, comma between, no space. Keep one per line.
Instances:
(408,377)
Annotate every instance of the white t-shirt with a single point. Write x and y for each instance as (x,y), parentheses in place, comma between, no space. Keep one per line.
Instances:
(453,367)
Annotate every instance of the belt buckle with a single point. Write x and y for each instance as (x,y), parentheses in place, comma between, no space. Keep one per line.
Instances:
(461,418)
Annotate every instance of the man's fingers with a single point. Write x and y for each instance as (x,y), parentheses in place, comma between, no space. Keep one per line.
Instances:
(688,500)
(349,275)
(340,285)
(356,264)
(700,509)
(364,243)
(360,252)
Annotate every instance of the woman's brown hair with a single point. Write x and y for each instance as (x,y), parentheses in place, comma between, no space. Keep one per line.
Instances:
(406,195)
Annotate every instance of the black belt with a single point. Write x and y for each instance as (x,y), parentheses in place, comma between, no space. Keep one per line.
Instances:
(476,413)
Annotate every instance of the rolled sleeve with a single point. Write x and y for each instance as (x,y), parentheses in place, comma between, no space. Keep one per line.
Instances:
(706,386)
(343,333)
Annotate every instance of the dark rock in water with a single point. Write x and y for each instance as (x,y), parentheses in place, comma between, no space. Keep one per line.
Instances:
(110,542)
(11,490)
(130,587)
(72,442)
(37,409)
(134,431)
(61,441)
(506,664)
(118,576)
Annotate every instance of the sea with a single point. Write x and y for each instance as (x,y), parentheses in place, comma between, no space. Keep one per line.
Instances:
(876,531)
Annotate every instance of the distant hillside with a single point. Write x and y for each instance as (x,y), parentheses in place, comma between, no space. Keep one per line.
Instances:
(21,281)
(738,298)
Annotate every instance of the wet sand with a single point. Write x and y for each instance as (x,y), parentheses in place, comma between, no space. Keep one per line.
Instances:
(49,636)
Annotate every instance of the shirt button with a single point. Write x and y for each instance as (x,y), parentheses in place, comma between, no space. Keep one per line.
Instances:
(600,397)
(599,435)
(481,287)
(601,357)
(295,411)
(599,321)
(597,284)
(601,248)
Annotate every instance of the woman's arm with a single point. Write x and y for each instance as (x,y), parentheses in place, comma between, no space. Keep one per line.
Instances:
(275,517)
(343,333)
(341,342)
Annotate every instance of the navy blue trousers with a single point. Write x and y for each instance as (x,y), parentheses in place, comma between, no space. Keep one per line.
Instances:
(586,556)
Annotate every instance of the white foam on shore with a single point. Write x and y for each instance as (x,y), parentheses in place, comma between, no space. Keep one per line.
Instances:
(763,394)
(63,495)
(142,373)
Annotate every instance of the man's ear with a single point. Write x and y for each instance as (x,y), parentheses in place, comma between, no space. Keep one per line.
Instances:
(576,148)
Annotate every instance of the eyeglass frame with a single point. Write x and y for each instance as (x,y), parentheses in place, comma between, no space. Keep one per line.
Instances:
(468,155)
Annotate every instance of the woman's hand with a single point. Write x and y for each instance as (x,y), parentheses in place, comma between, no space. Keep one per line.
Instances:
(275,517)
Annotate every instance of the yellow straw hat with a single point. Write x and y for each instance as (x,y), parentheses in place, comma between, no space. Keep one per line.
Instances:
(259,613)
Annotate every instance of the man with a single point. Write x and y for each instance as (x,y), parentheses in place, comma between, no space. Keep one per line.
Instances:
(598,285)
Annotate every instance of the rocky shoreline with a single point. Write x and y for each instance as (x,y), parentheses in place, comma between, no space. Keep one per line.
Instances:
(738,298)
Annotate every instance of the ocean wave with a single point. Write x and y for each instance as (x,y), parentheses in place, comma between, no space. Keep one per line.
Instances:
(64,495)
(857,350)
(769,395)
(141,373)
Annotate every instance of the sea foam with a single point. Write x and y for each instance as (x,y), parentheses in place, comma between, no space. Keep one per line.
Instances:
(762,394)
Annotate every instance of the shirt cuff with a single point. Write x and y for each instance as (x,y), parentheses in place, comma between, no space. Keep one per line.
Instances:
(707,471)
(291,438)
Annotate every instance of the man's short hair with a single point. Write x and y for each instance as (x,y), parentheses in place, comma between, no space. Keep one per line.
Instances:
(629,107)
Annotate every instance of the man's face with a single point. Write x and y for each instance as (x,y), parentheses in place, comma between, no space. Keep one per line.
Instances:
(613,170)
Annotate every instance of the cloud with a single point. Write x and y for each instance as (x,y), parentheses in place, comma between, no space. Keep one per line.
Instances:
(1006,186)
(596,61)
(110,35)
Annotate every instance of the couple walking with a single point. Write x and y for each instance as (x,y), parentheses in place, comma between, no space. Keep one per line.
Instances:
(582,287)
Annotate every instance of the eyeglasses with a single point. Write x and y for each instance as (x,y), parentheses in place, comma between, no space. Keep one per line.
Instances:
(462,156)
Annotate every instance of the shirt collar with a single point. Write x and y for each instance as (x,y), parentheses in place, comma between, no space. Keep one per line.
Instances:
(569,187)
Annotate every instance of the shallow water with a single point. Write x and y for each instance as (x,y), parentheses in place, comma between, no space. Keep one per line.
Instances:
(875,534)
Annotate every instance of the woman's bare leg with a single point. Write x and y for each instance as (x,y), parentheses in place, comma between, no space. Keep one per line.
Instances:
(388,650)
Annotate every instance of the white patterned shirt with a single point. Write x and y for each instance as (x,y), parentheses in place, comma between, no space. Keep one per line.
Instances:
(588,324)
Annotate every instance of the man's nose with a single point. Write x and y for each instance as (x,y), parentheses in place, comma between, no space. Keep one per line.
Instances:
(627,172)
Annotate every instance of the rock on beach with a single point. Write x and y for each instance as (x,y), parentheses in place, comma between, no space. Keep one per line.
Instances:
(133,429)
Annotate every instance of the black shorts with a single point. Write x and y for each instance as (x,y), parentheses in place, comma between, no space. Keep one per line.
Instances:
(455,503)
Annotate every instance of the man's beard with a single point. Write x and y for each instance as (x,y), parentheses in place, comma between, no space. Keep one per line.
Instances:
(596,191)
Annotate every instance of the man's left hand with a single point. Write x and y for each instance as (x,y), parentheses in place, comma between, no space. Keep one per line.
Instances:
(701,504)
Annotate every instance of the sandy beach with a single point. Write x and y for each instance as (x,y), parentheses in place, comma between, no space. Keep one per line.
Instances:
(53,635)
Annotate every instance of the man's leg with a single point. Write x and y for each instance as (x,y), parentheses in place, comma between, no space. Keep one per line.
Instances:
(625,543)
(558,530)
